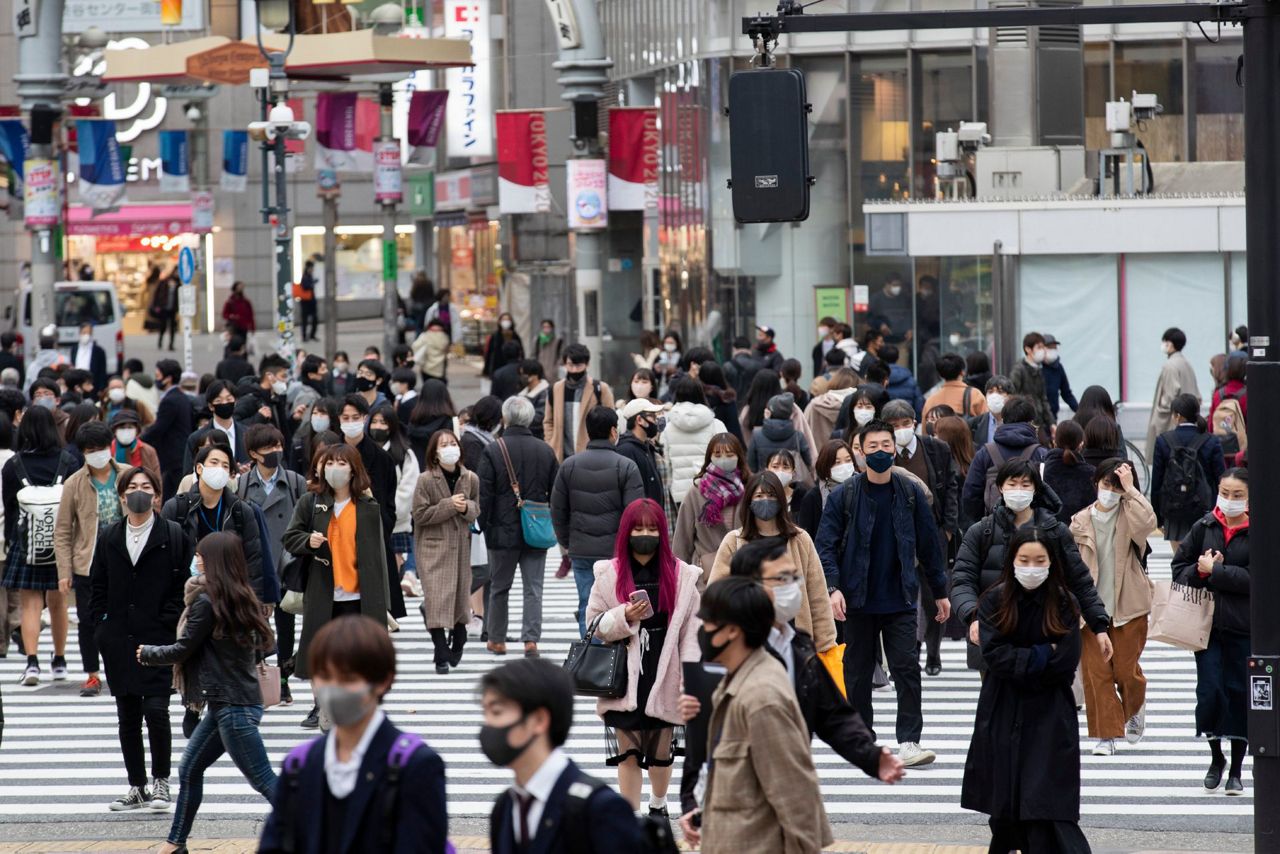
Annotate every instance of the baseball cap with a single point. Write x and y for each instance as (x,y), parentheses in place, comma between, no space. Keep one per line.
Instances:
(640,404)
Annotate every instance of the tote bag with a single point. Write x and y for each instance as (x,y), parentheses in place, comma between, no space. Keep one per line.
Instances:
(1181,616)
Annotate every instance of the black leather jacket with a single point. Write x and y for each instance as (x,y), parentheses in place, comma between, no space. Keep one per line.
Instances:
(226,671)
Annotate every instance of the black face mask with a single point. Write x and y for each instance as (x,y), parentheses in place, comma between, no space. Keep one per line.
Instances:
(364,383)
(223,410)
(650,429)
(575,377)
(644,544)
(271,459)
(710,650)
(379,434)
(496,748)
(139,501)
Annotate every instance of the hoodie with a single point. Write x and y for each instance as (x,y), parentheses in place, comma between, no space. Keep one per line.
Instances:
(823,412)
(903,386)
(1012,439)
(690,427)
(780,434)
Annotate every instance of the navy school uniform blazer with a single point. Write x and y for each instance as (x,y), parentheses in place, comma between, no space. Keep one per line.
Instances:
(611,826)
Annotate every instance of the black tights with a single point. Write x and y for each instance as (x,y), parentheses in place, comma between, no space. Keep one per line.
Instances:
(1238,749)
(131,710)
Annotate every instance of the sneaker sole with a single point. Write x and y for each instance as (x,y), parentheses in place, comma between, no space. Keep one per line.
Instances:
(30,681)
(1133,739)
(160,806)
(59,677)
(128,808)
(919,762)
(1234,793)
(1104,753)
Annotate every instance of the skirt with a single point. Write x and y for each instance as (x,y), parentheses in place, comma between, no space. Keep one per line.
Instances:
(654,743)
(20,575)
(402,543)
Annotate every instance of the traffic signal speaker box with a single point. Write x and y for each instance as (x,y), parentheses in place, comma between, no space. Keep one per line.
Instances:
(769,145)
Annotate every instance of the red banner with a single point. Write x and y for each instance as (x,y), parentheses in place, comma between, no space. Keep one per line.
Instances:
(523,185)
(633,158)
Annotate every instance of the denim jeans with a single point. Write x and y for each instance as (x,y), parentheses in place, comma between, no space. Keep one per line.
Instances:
(230,729)
(584,576)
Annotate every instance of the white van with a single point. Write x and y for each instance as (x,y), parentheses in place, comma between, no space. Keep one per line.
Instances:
(77,303)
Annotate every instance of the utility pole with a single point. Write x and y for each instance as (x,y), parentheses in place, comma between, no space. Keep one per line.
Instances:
(329,194)
(41,83)
(388,194)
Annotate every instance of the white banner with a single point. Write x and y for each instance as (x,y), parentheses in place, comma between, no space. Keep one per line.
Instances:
(469,110)
(588,194)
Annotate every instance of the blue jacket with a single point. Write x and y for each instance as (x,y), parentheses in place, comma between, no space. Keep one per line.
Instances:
(1057,385)
(913,527)
(903,386)
(421,819)
(608,823)
(1012,439)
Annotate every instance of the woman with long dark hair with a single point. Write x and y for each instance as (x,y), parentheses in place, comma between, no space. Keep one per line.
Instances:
(224,638)
(764,385)
(721,397)
(323,416)
(710,506)
(384,429)
(644,592)
(433,411)
(1181,508)
(1067,474)
(493,355)
(1095,401)
(1023,767)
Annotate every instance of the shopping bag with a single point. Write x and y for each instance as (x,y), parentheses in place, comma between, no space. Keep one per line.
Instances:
(833,660)
(1181,616)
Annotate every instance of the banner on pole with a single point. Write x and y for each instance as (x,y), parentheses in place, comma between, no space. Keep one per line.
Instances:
(235,161)
(426,117)
(345,128)
(633,158)
(102,173)
(523,184)
(587,197)
(14,145)
(175,164)
(41,197)
(202,207)
(470,114)
(387,184)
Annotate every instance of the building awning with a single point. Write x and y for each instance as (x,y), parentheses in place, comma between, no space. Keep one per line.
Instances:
(162,63)
(130,220)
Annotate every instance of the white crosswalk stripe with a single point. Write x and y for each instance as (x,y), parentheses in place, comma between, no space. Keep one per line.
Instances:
(61,758)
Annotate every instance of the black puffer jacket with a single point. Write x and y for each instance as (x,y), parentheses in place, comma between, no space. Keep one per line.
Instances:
(592,489)
(228,671)
(1072,483)
(535,466)
(981,560)
(1229,580)
(642,454)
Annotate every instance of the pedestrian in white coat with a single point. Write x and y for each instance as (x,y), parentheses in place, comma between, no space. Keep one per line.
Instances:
(690,426)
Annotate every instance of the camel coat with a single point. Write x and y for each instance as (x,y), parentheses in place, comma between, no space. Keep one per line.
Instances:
(680,643)
(554,416)
(442,545)
(1136,521)
(815,609)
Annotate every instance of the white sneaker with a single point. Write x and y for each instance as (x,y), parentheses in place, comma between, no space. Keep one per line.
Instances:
(30,676)
(59,672)
(1105,747)
(913,755)
(411,587)
(136,798)
(1136,726)
(475,626)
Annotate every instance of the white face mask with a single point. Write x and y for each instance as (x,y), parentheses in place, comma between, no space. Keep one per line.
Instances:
(115,395)
(279,387)
(505,324)
(1030,577)
(319,423)
(894,290)
(1051,356)
(449,454)
(840,472)
(786,602)
(351,429)
(1166,348)
(995,402)
(823,332)
(1018,499)
(215,477)
(97,459)
(903,435)
(641,390)
(337,476)
(669,346)
(1231,508)
(1037,355)
(86,340)
(126,435)
(863,416)
(1108,499)
(398,389)
(784,476)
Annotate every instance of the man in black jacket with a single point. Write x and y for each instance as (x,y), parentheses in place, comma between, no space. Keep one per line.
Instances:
(168,433)
(592,489)
(506,380)
(641,416)
(533,467)
(265,402)
(222,403)
(742,366)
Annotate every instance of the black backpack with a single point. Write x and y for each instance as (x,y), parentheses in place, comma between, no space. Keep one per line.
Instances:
(655,832)
(991,492)
(1185,494)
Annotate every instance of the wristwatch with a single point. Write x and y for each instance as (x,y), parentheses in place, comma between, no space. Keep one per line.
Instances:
(831,590)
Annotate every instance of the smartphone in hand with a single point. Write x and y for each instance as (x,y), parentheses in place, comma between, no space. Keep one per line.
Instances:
(642,596)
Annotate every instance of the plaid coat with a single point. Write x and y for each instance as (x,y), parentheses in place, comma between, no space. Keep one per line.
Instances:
(442,545)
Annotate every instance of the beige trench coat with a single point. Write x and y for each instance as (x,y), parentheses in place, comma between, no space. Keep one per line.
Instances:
(442,545)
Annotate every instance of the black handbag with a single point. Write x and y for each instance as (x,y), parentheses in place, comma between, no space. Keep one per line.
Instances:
(598,669)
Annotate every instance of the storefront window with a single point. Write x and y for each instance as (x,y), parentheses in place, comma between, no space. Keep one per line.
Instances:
(358,259)
(682,197)
(1219,103)
(1155,69)
(953,310)
(470,258)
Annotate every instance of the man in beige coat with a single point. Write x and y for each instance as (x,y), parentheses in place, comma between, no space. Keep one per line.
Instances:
(1176,377)
(76,531)
(569,402)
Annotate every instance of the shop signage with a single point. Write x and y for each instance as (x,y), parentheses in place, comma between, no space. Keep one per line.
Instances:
(327,184)
(127,16)
(127,220)
(522,162)
(453,190)
(235,161)
(202,208)
(40,196)
(25,15)
(470,112)
(229,63)
(861,298)
(387,184)
(587,197)
(831,301)
(633,158)
(421,195)
(566,23)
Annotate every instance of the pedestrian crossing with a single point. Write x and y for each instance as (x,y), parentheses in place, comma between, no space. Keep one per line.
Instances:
(60,758)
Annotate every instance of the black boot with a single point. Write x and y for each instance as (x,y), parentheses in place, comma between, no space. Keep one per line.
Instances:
(933,648)
(441,645)
(457,640)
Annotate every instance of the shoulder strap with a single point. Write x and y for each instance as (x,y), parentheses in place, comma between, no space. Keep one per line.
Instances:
(402,749)
(996,455)
(1198,442)
(20,470)
(58,472)
(964,404)
(574,821)
(294,762)
(511,470)
(595,386)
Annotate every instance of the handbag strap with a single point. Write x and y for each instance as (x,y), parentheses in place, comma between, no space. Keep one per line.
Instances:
(591,629)
(511,472)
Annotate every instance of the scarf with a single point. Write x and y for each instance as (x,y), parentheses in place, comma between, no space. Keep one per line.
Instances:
(721,490)
(125,454)
(483,435)
(192,701)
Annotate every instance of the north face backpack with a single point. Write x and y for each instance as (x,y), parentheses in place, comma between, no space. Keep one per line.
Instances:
(38,514)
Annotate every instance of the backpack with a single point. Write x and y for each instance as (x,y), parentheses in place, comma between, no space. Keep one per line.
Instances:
(1228,425)
(1185,494)
(38,513)
(991,494)
(896,480)
(655,831)
(402,750)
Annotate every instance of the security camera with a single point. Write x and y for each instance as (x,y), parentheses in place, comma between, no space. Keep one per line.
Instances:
(279,123)
(193,113)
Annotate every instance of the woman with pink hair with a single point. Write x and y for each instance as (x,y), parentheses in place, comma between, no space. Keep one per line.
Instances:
(648,598)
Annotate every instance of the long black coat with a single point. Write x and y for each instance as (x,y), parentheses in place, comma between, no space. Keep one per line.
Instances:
(168,435)
(1229,580)
(138,604)
(1024,758)
(384,477)
(1072,483)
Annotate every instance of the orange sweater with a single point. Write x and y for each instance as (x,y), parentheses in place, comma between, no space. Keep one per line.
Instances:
(342,545)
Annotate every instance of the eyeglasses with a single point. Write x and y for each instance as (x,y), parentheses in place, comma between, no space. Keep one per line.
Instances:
(782,580)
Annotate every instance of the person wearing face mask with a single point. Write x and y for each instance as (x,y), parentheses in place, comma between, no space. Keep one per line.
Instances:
(666,365)
(224,635)
(90,503)
(134,594)
(432,411)
(762,794)
(88,355)
(859,409)
(506,379)
(445,502)
(1023,766)
(384,429)
(1025,502)
(1214,556)
(1185,470)
(115,399)
(983,427)
(823,412)
(496,352)
(834,466)
(711,505)
(826,343)
(212,506)
(548,348)
(1112,538)
(1015,439)
(337,530)
(1176,377)
(690,425)
(1056,385)
(325,801)
(890,312)
(551,804)
(783,466)
(535,388)
(571,399)
(647,597)
(126,447)
(764,513)
(322,416)
(779,433)
(955,392)
(174,420)
(640,417)
(222,405)
(1027,379)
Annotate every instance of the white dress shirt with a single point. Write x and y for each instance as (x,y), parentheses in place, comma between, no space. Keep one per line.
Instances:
(84,357)
(539,786)
(780,640)
(230,431)
(342,776)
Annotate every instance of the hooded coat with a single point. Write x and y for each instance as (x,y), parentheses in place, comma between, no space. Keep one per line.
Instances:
(903,386)
(690,427)
(780,434)
(1012,439)
(823,412)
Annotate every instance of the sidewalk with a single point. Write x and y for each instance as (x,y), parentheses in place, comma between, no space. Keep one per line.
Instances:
(464,844)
